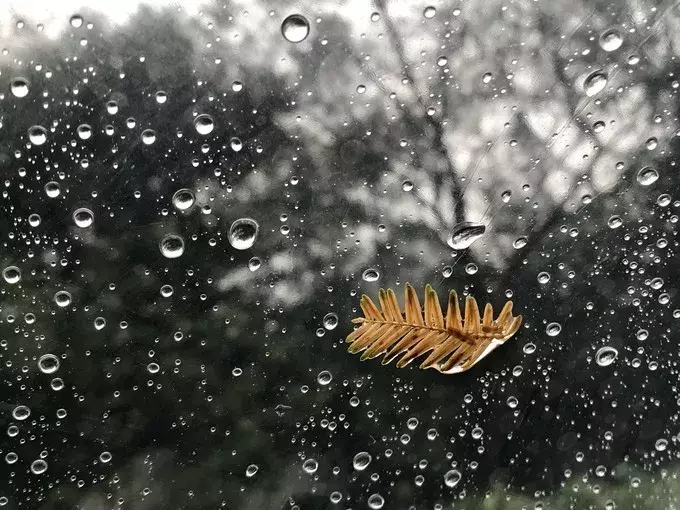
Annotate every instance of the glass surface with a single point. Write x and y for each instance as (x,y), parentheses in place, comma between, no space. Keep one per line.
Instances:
(196,195)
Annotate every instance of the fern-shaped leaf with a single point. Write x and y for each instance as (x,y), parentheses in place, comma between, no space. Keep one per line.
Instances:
(453,343)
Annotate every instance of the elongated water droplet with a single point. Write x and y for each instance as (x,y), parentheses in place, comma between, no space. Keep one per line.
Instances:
(647,176)
(594,83)
(611,40)
(464,234)
(452,477)
(370,275)
(605,356)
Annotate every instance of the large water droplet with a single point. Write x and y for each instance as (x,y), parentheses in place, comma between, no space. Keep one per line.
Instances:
(11,274)
(615,221)
(330,321)
(543,277)
(20,413)
(310,466)
(605,356)
(594,83)
(452,477)
(553,329)
(148,136)
(83,217)
(361,461)
(429,12)
(375,501)
(48,363)
(19,87)
(611,40)
(38,466)
(37,135)
(52,189)
(251,470)
(204,124)
(84,131)
(183,199)
(62,298)
(464,234)
(370,275)
(172,246)
(243,233)
(295,28)
(520,242)
(647,176)
(324,378)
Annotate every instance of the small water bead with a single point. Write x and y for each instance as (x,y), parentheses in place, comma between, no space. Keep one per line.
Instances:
(99,323)
(661,445)
(452,477)
(48,363)
(361,89)
(172,246)
(330,321)
(62,298)
(520,242)
(83,217)
(254,264)
(406,186)
(153,368)
(237,86)
(375,501)
(512,402)
(11,274)
(529,348)
(37,135)
(236,144)
(642,335)
(361,461)
(375,16)
(464,234)
(243,233)
(553,329)
(11,458)
(76,21)
(52,189)
(487,77)
(252,470)
(148,136)
(12,431)
(161,97)
(594,83)
(647,176)
(324,378)
(84,131)
(615,221)
(429,12)
(183,199)
(605,356)
(19,87)
(543,277)
(370,275)
(506,196)
(442,61)
(57,384)
(295,28)
(335,497)
(664,200)
(112,107)
(447,271)
(611,40)
(651,144)
(105,457)
(310,466)
(34,220)
(471,268)
(20,413)
(599,126)
(204,124)
(38,466)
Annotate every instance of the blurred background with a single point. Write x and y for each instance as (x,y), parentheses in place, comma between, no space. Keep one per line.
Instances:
(196,195)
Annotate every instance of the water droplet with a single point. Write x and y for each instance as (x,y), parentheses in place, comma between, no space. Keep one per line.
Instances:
(236,144)
(310,466)
(166,291)
(295,28)
(664,200)
(237,86)
(452,477)
(605,356)
(148,136)
(161,96)
(543,277)
(506,196)
(172,246)
(375,16)
(252,470)
(76,21)
(20,413)
(611,40)
(112,107)
(183,199)
(57,384)
(651,144)
(324,378)
(375,501)
(442,61)
(464,234)
(204,124)
(254,264)
(37,135)
(62,298)
(48,363)
(83,217)
(512,402)
(594,83)
(447,271)
(84,131)
(105,457)
(661,445)
(656,283)
(406,186)
(529,348)
(52,189)
(647,176)
(99,323)
(520,242)
(553,329)
(38,466)
(429,12)
(642,335)
(471,268)
(361,89)
(370,275)
(243,233)
(599,126)
(615,221)
(330,321)
(34,220)
(11,274)
(153,368)
(487,77)
(19,87)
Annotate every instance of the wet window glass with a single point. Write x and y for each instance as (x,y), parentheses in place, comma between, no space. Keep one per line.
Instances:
(230,231)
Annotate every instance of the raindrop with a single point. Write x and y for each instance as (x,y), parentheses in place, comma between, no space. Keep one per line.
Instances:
(464,234)
(506,196)
(76,21)
(62,298)
(148,136)
(615,221)
(99,323)
(161,96)
(647,176)
(167,290)
(20,413)
(370,275)
(105,457)
(243,233)
(48,363)
(254,264)
(642,335)
(204,124)
(295,28)
(310,466)
(361,89)
(512,402)
(11,274)
(471,268)
(236,144)
(237,86)
(543,277)
(529,348)
(251,470)
(663,200)
(406,186)
(19,87)
(183,199)
(38,466)
(429,12)
(330,321)
(84,131)
(172,246)
(57,384)
(324,378)
(487,77)
(442,61)
(112,107)
(34,220)
(452,477)
(520,242)
(611,40)
(651,144)
(37,135)
(553,329)
(153,368)
(83,217)
(656,283)
(661,445)
(375,501)
(605,356)
(599,126)
(594,83)
(52,189)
